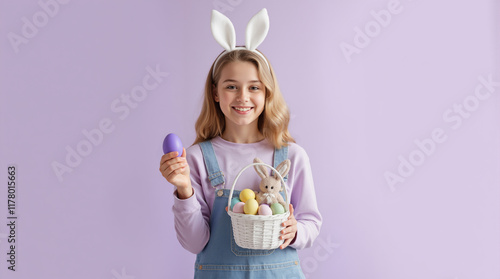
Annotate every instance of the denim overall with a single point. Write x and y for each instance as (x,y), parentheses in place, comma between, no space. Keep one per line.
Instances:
(222,257)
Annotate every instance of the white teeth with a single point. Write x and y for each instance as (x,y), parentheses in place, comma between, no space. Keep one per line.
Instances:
(242,109)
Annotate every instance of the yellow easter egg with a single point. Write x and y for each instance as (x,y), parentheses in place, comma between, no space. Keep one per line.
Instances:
(247,194)
(251,207)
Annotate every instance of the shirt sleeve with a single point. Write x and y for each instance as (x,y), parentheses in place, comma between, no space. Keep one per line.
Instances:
(303,198)
(192,215)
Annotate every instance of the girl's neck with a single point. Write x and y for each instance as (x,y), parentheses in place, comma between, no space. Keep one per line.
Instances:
(242,135)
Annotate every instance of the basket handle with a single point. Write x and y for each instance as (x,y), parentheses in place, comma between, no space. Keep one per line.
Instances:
(254,164)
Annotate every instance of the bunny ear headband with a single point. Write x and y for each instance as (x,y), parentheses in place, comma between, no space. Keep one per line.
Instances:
(223,32)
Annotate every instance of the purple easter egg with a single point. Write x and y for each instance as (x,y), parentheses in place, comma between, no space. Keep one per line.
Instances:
(172,143)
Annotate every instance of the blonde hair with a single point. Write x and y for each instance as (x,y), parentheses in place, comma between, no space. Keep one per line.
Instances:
(272,122)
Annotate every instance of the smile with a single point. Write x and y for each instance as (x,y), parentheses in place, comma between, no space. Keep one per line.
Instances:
(242,110)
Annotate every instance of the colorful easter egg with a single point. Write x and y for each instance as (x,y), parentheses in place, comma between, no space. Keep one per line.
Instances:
(247,194)
(251,207)
(277,208)
(172,143)
(239,207)
(264,209)
(234,201)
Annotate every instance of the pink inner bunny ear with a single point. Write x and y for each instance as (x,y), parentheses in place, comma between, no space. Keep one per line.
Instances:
(223,30)
(257,29)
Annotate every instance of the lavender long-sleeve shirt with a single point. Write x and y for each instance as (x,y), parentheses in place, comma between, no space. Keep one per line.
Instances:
(192,215)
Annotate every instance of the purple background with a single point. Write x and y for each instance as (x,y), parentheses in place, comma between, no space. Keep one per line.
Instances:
(111,216)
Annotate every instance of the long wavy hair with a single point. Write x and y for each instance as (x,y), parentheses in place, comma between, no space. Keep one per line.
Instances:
(272,122)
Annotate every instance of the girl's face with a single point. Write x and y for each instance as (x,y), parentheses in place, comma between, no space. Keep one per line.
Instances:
(240,93)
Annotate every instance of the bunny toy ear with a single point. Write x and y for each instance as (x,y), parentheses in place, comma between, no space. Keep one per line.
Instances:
(283,168)
(260,169)
(257,29)
(223,30)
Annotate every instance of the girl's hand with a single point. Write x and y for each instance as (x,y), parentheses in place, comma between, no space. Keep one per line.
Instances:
(176,171)
(290,231)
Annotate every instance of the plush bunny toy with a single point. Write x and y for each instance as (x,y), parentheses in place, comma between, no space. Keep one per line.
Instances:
(270,185)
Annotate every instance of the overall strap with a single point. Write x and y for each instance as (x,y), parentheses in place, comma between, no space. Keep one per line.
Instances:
(279,156)
(215,175)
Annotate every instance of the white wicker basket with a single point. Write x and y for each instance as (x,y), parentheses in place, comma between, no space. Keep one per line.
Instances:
(257,231)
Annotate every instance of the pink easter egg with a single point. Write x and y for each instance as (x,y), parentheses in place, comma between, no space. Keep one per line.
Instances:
(238,208)
(264,209)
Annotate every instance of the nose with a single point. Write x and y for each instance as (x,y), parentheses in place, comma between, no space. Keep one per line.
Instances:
(243,95)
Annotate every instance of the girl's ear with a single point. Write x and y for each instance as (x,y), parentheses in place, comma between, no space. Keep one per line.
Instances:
(214,93)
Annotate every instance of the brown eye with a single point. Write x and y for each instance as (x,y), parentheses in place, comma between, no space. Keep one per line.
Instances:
(266,186)
(272,187)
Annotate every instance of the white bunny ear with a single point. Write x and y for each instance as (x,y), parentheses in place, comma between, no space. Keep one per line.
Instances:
(223,30)
(257,29)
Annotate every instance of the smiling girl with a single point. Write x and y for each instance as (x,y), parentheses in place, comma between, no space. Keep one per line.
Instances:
(243,116)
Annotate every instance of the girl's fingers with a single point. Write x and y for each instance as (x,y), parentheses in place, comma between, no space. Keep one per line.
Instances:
(285,244)
(175,160)
(169,169)
(288,236)
(290,222)
(179,170)
(173,173)
(291,219)
(172,155)
(168,156)
(289,229)
(177,167)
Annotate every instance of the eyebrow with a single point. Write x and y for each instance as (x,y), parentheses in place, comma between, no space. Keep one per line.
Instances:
(232,80)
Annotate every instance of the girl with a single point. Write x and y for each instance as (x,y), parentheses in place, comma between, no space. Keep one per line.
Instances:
(243,116)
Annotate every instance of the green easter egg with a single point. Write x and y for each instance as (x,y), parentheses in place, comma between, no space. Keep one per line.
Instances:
(277,208)
(234,201)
